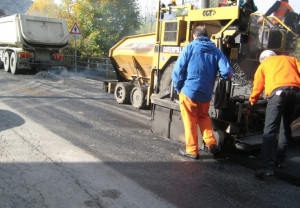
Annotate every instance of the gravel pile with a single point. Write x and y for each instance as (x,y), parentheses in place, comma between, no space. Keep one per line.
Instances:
(46,75)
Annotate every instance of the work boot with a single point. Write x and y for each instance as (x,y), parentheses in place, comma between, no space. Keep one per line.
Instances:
(185,154)
(214,149)
(280,164)
(263,173)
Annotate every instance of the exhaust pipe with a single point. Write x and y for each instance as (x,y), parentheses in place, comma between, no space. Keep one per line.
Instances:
(204,4)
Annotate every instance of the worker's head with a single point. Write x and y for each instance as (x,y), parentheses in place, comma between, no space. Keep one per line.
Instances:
(266,54)
(199,31)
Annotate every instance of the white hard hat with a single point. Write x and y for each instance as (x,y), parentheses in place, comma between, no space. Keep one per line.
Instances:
(266,54)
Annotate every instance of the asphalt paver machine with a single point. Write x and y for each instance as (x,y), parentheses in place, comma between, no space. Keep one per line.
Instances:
(144,64)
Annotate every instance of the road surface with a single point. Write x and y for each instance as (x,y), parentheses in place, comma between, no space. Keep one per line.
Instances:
(66,143)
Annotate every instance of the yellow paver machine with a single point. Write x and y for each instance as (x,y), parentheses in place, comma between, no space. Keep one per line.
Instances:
(144,63)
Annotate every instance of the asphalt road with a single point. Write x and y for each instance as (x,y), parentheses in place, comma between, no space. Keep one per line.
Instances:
(72,117)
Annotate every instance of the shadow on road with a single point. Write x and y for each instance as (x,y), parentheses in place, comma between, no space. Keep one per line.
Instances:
(11,120)
(183,184)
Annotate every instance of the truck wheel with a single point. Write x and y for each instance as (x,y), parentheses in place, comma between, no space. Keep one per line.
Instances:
(6,62)
(166,80)
(138,97)
(13,63)
(122,92)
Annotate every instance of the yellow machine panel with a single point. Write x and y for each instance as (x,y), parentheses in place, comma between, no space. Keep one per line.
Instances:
(134,56)
(174,32)
(211,14)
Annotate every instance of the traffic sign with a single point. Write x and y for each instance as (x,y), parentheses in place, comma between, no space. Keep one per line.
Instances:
(75,32)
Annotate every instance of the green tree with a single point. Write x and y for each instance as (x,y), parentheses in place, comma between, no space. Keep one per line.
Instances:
(103,23)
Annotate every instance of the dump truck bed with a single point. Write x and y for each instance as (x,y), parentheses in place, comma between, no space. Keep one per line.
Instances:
(33,32)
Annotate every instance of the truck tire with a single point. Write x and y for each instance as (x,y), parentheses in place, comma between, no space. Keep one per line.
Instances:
(6,62)
(13,63)
(122,92)
(138,97)
(166,80)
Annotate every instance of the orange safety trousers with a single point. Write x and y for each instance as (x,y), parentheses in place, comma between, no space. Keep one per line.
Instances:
(195,113)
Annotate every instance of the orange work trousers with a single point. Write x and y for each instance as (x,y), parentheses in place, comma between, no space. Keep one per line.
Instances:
(195,113)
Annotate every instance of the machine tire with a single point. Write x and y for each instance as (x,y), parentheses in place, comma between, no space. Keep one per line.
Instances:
(6,62)
(166,80)
(138,97)
(122,92)
(13,63)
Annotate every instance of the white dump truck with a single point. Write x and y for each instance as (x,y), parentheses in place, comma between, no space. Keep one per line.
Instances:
(31,42)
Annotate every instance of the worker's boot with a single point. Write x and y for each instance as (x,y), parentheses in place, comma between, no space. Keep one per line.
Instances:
(280,164)
(264,173)
(214,149)
(185,154)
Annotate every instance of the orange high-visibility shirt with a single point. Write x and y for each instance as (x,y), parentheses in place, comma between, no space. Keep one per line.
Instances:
(274,72)
(284,6)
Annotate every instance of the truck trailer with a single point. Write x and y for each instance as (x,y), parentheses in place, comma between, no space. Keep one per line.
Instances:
(31,42)
(144,64)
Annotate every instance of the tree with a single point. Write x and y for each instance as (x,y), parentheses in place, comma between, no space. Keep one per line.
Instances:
(103,23)
(67,11)
(149,10)
(2,13)
(46,8)
(148,16)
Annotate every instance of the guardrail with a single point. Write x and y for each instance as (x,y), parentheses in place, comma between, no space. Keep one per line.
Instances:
(94,66)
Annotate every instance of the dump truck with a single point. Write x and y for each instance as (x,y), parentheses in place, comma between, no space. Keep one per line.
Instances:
(31,42)
(144,64)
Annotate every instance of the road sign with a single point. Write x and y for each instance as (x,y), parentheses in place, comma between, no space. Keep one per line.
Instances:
(75,32)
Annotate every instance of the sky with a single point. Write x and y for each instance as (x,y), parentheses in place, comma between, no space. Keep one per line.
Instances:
(263,5)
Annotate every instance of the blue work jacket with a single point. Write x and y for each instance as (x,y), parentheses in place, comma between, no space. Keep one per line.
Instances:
(196,68)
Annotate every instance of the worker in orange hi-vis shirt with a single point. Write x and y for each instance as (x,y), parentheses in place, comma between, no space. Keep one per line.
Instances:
(279,10)
(278,75)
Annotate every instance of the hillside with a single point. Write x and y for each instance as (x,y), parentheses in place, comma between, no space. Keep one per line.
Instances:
(10,7)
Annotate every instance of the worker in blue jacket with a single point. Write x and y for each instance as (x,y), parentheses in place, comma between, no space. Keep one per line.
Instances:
(194,77)
(250,4)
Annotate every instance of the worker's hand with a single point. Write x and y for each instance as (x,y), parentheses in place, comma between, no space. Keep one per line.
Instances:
(245,111)
(248,108)
(260,19)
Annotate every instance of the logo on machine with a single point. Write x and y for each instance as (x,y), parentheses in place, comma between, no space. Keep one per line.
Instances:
(172,49)
(208,13)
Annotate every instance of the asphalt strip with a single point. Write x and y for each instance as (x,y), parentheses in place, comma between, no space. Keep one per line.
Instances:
(40,168)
